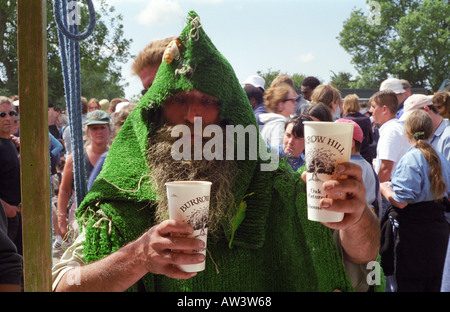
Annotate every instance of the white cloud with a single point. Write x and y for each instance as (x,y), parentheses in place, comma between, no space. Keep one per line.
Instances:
(160,12)
(306,58)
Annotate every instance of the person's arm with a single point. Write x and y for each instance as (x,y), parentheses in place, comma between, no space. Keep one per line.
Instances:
(56,146)
(388,193)
(359,230)
(10,260)
(384,174)
(65,191)
(10,210)
(156,251)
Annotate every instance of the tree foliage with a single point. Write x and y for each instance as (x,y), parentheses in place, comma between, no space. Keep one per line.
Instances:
(409,41)
(270,75)
(100,53)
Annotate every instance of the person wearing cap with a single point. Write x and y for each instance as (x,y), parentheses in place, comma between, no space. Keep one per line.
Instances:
(255,97)
(127,241)
(402,94)
(98,135)
(255,81)
(418,193)
(440,138)
(370,178)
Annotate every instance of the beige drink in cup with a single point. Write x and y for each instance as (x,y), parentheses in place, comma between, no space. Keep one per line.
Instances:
(189,201)
(326,145)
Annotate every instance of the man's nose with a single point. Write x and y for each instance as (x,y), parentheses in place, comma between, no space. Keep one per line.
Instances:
(194,110)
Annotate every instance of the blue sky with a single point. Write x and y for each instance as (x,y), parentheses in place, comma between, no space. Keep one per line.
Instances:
(293,36)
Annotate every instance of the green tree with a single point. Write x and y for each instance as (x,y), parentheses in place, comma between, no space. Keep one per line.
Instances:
(270,75)
(100,53)
(410,40)
(342,80)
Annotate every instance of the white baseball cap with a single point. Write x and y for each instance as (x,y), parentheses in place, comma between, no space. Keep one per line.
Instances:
(415,101)
(256,81)
(393,84)
(121,105)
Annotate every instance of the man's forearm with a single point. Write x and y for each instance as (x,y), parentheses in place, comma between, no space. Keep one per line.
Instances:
(116,273)
(384,174)
(361,241)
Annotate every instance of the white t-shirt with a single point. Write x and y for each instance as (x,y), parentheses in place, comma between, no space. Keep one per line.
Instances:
(392,144)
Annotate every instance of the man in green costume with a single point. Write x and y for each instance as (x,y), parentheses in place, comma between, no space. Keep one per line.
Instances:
(259,238)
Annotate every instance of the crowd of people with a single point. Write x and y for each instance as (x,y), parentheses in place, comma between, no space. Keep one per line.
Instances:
(394,191)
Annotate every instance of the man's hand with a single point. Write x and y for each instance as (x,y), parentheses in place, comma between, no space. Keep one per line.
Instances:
(10,210)
(359,229)
(346,194)
(157,251)
(168,244)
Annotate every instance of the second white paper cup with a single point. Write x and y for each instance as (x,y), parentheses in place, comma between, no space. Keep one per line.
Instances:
(189,201)
(326,145)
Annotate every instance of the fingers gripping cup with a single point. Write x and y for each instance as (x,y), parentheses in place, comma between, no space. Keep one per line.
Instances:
(189,202)
(326,145)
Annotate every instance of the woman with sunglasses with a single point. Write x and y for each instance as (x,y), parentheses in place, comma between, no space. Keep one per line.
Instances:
(9,171)
(280,102)
(441,100)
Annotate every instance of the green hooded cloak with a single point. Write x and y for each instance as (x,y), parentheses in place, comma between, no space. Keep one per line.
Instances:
(269,246)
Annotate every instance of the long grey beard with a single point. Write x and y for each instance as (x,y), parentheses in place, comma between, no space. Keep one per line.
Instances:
(164,168)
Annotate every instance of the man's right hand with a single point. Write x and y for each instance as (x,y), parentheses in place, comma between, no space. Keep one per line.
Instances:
(10,210)
(167,245)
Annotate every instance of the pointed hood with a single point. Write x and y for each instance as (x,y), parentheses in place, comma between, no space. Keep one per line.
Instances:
(194,63)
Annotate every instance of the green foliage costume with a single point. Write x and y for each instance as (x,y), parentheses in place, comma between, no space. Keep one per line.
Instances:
(271,246)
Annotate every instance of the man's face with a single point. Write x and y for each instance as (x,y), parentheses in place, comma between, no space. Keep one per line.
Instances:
(377,112)
(7,122)
(292,146)
(147,75)
(306,92)
(183,107)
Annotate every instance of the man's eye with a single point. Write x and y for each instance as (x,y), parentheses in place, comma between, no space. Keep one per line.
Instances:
(208,101)
(179,99)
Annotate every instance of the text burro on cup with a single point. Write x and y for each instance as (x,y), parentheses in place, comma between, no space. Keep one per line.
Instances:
(232,140)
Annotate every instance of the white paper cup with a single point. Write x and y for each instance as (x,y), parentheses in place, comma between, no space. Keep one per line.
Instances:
(326,145)
(189,201)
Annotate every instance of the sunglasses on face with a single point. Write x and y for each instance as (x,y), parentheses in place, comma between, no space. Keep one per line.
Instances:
(10,113)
